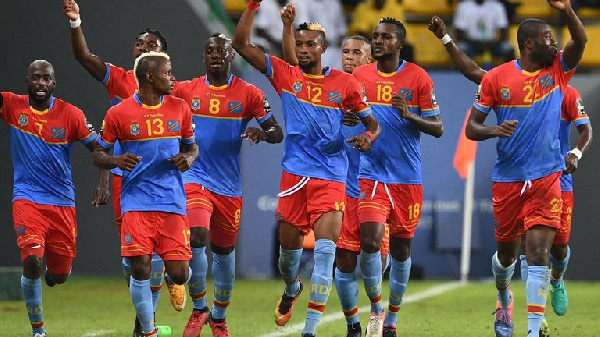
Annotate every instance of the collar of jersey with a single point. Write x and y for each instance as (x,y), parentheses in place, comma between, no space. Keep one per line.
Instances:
(327,72)
(38,112)
(229,80)
(398,70)
(525,72)
(137,99)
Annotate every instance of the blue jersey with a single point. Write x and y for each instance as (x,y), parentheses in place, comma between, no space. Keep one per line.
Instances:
(573,112)
(221,115)
(313,107)
(395,158)
(155,134)
(534,100)
(41,143)
(352,186)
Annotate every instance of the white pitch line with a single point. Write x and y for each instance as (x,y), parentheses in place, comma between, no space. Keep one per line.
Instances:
(433,291)
(98,333)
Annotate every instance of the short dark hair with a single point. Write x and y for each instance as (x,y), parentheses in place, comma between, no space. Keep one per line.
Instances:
(400,29)
(161,38)
(313,27)
(146,63)
(359,37)
(528,28)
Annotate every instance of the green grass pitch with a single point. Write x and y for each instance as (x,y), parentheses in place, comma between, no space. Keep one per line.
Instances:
(102,307)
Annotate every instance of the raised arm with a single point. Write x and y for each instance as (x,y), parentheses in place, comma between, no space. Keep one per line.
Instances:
(465,64)
(574,48)
(92,63)
(241,39)
(288,41)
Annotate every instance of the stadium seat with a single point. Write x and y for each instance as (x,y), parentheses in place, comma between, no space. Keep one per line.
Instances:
(235,6)
(589,13)
(430,7)
(429,51)
(534,8)
(591,55)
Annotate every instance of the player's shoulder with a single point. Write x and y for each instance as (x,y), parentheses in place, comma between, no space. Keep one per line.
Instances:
(175,102)
(66,107)
(571,91)
(413,69)
(504,70)
(365,68)
(14,97)
(190,83)
(247,87)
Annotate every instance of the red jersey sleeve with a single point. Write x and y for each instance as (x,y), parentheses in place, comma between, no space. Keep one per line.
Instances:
(573,109)
(426,96)
(561,71)
(187,129)
(278,71)
(355,98)
(110,130)
(7,98)
(82,130)
(486,99)
(260,109)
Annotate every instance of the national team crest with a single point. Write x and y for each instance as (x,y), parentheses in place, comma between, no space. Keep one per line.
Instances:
(195,103)
(58,133)
(335,97)
(505,93)
(23,120)
(407,94)
(134,129)
(547,81)
(235,107)
(297,87)
(173,126)
(128,238)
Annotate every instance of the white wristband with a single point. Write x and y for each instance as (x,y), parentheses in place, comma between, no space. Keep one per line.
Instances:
(577,153)
(446,39)
(76,23)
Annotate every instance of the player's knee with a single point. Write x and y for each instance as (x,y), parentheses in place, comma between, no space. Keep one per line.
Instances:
(559,252)
(198,237)
(539,256)
(140,271)
(506,260)
(59,278)
(32,267)
(370,244)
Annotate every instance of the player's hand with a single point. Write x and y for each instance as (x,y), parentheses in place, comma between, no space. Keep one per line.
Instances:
(128,161)
(350,119)
(183,161)
(506,129)
(71,9)
(399,103)
(254,135)
(101,196)
(288,14)
(571,161)
(437,26)
(561,5)
(361,142)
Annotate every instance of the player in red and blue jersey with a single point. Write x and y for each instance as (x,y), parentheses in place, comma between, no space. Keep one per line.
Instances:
(573,112)
(42,130)
(315,166)
(527,96)
(402,96)
(121,84)
(156,135)
(222,105)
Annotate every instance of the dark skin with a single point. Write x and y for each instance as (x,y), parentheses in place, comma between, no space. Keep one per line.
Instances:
(97,68)
(40,82)
(538,52)
(156,83)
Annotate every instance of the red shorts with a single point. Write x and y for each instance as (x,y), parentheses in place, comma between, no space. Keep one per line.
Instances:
(167,234)
(564,232)
(398,204)
(303,200)
(219,213)
(519,206)
(48,228)
(117,201)
(350,234)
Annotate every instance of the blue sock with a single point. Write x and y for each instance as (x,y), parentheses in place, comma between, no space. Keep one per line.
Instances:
(399,275)
(320,283)
(223,271)
(157,277)
(387,263)
(370,266)
(347,290)
(32,291)
(126,268)
(537,289)
(142,301)
(558,268)
(524,265)
(503,277)
(289,263)
(197,282)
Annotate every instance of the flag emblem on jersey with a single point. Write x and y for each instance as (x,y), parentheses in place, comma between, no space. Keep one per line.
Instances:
(407,94)
(297,86)
(547,81)
(173,126)
(58,133)
(361,196)
(134,129)
(505,93)
(20,230)
(195,103)
(128,238)
(23,120)
(335,97)
(235,107)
